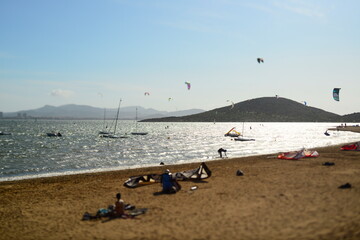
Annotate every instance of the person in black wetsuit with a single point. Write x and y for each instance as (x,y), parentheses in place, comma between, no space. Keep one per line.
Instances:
(221,150)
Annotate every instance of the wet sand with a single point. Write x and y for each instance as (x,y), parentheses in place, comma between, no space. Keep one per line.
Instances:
(275,199)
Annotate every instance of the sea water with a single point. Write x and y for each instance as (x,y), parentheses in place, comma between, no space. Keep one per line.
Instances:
(29,153)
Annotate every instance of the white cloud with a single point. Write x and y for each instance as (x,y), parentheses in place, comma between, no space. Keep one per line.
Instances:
(61,93)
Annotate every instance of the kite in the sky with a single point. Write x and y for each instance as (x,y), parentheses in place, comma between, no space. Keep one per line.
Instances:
(260,60)
(169,99)
(146,93)
(232,103)
(188,85)
(336,94)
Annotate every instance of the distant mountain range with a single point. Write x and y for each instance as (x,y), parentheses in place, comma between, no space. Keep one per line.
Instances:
(72,111)
(265,109)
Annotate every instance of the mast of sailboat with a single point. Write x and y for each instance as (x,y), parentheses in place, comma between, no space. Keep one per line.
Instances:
(117,115)
(242,133)
(136,120)
(104,127)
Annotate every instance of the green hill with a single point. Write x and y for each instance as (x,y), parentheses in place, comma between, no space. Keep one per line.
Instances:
(354,117)
(266,109)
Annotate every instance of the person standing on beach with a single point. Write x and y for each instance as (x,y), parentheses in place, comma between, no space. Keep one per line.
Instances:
(221,150)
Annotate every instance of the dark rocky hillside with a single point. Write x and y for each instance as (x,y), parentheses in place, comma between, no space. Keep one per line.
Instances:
(265,109)
(354,117)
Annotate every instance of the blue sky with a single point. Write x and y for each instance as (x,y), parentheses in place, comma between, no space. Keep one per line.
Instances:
(94,52)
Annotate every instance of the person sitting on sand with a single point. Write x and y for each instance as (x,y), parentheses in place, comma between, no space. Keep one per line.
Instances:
(119,206)
(168,184)
(114,211)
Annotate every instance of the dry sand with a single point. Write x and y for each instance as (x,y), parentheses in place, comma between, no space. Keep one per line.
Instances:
(275,199)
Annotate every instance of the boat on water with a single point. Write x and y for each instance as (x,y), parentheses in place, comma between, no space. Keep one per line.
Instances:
(4,133)
(139,133)
(110,135)
(54,134)
(136,131)
(103,132)
(232,133)
(113,134)
(242,138)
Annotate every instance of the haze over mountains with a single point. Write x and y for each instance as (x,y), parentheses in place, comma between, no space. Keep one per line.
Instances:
(72,111)
(265,109)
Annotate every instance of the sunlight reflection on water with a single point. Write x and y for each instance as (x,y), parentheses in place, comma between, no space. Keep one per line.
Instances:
(28,152)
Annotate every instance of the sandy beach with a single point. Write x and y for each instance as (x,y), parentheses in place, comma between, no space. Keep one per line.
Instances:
(275,199)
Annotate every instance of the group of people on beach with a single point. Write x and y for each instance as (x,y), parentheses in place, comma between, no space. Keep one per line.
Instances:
(169,186)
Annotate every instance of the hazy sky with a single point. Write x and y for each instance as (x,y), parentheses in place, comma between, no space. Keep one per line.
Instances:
(93,52)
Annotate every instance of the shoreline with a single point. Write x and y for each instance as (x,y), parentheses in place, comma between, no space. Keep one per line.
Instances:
(275,199)
(138,167)
(75,156)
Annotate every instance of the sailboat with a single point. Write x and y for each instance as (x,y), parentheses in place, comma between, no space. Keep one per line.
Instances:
(4,133)
(113,135)
(104,131)
(232,133)
(136,132)
(242,138)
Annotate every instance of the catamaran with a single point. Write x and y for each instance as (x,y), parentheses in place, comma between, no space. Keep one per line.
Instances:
(242,138)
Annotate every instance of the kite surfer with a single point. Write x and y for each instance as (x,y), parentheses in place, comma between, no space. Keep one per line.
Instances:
(221,150)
